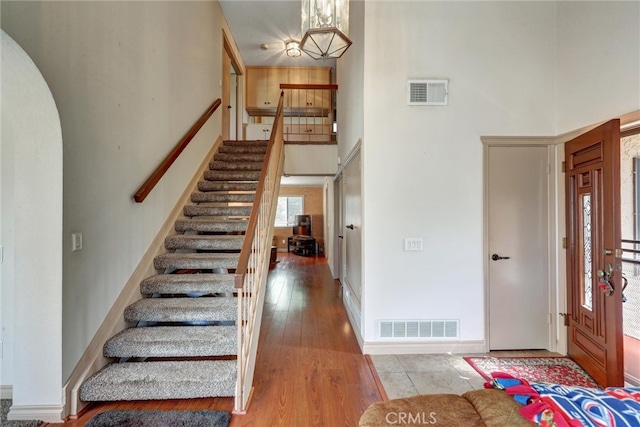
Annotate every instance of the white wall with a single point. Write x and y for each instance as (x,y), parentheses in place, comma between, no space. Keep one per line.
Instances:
(350,80)
(129,79)
(598,70)
(31,200)
(310,160)
(423,165)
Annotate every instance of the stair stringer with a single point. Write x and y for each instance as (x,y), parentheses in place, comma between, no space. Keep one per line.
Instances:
(92,359)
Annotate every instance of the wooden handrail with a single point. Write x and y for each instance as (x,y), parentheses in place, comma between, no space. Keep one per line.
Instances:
(307,86)
(162,168)
(243,261)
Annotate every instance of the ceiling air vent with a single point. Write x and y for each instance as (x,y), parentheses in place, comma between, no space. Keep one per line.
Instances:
(428,92)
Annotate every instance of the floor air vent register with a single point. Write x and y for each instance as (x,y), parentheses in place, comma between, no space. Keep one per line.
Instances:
(419,329)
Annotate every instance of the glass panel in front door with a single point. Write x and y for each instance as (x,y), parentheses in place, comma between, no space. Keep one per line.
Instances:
(587,285)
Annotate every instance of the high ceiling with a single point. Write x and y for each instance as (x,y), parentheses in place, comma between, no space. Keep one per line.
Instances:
(257,22)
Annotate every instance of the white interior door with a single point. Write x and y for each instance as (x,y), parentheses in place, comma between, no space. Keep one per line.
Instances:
(339,230)
(518,248)
(233,102)
(352,232)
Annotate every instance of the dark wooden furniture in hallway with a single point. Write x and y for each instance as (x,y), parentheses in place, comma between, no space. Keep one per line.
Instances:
(310,370)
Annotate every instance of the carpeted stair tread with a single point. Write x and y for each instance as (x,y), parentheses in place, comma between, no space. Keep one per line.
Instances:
(203,284)
(213,210)
(161,380)
(204,242)
(245,143)
(227,186)
(173,341)
(217,197)
(210,225)
(235,166)
(210,175)
(239,157)
(189,309)
(205,309)
(195,261)
(247,149)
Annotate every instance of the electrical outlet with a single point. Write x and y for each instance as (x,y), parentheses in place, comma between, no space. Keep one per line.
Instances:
(284,241)
(412,244)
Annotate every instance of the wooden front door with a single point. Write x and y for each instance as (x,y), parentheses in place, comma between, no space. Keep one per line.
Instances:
(594,297)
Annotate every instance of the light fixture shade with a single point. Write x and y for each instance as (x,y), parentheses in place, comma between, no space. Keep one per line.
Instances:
(325,25)
(292,48)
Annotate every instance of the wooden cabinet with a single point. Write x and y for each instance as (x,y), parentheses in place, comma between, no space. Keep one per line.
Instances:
(307,132)
(258,131)
(263,86)
(309,98)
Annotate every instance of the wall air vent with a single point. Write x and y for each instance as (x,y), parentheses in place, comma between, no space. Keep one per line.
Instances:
(419,329)
(428,92)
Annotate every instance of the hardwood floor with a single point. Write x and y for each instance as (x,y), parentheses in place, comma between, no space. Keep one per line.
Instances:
(309,370)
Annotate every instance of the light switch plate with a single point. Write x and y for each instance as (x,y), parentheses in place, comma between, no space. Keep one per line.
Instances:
(76,242)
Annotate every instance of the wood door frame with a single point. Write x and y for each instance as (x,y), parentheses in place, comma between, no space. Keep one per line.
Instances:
(229,49)
(555,218)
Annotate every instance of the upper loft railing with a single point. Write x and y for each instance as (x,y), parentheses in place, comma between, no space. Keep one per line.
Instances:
(162,168)
(253,264)
(309,113)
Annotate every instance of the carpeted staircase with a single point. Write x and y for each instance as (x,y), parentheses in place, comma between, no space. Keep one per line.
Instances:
(184,341)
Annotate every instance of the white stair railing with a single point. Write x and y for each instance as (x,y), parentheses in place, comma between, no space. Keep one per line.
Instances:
(253,265)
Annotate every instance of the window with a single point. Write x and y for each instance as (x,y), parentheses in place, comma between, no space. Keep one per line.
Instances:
(288,208)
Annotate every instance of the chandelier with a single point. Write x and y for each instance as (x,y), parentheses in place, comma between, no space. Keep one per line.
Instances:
(325,25)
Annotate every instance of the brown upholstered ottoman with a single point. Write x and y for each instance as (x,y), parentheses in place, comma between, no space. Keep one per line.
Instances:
(477,408)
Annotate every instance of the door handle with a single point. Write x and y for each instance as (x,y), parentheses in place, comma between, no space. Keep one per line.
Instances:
(229,106)
(340,237)
(604,279)
(350,226)
(497,257)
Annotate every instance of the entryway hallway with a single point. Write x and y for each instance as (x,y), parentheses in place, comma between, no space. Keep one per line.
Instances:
(309,370)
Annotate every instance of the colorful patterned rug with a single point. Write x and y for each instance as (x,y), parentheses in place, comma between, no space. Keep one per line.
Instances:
(556,370)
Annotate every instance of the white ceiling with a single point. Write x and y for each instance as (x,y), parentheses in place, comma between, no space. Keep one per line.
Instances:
(306,181)
(256,22)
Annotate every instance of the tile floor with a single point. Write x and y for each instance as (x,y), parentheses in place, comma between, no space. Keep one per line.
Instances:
(406,375)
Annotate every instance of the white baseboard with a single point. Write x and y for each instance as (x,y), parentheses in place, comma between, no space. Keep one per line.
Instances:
(635,382)
(92,359)
(424,347)
(6,392)
(47,413)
